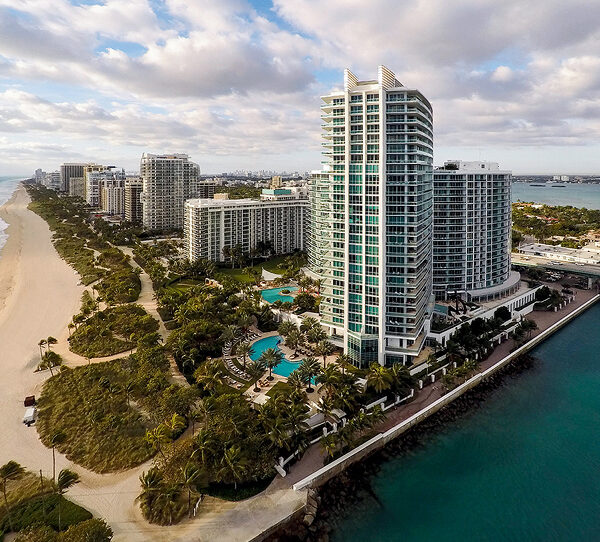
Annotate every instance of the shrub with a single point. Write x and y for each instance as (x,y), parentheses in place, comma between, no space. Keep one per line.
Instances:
(43,510)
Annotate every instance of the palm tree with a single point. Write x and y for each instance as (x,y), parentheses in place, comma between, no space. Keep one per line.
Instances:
(175,424)
(245,350)
(57,438)
(210,375)
(227,254)
(9,471)
(329,444)
(343,360)
(230,333)
(256,369)
(315,334)
(66,479)
(129,389)
(379,377)
(308,323)
(151,483)
(245,322)
(204,442)
(158,437)
(272,358)
(233,465)
(50,341)
(294,340)
(329,379)
(402,379)
(324,348)
(309,368)
(190,475)
(41,344)
(286,327)
(169,497)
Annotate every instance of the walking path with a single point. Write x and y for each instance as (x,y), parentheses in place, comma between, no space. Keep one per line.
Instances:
(313,458)
(39,293)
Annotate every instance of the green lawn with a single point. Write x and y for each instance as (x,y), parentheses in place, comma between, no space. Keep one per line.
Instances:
(272,265)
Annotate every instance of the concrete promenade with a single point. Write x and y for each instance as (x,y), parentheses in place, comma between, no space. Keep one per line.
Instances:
(434,400)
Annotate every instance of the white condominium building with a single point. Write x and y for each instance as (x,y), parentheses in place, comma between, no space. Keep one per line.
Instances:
(112,195)
(371,218)
(52,180)
(279,220)
(472,229)
(168,180)
(93,174)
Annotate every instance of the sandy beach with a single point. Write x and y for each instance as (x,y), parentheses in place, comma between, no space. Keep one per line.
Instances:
(39,293)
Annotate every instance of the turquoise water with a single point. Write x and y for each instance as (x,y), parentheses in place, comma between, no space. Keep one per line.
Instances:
(525,466)
(577,195)
(286,367)
(273,294)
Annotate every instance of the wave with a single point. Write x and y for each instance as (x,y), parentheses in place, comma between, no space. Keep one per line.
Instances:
(7,187)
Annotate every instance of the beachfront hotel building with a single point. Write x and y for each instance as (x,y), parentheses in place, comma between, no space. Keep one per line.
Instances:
(112,194)
(279,220)
(77,187)
(168,181)
(371,219)
(472,231)
(68,170)
(92,175)
(133,202)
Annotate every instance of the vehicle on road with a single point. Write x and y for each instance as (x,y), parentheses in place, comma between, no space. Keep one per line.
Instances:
(30,416)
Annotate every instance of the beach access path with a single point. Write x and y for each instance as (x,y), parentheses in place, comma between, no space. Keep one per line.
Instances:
(39,293)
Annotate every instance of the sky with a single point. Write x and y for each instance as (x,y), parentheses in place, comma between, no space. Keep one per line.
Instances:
(236,83)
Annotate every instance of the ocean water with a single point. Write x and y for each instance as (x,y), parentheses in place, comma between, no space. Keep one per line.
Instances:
(524,466)
(577,195)
(7,186)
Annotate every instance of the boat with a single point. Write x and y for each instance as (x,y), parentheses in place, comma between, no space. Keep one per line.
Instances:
(536,184)
(559,186)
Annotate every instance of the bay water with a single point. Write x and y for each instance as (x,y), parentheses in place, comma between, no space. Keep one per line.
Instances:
(524,466)
(577,195)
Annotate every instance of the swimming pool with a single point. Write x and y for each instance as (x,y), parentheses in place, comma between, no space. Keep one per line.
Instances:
(286,367)
(273,294)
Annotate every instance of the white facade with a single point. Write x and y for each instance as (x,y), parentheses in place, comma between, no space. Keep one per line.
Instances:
(112,195)
(168,181)
(471,229)
(276,221)
(52,180)
(371,221)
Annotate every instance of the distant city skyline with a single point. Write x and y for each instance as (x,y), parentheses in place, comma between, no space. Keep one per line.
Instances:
(235,84)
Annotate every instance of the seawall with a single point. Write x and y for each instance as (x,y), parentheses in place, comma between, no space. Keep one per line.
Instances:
(329,471)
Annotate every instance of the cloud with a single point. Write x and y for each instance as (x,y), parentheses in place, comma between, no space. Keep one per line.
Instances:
(235,84)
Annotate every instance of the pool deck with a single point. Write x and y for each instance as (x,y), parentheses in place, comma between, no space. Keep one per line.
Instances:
(289,354)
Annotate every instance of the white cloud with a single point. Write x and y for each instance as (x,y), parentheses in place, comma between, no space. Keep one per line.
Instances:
(219,79)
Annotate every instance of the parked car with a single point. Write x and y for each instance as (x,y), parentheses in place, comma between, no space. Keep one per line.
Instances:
(30,416)
(29,401)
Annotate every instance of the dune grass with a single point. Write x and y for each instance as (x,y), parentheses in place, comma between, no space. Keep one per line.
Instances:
(112,331)
(89,406)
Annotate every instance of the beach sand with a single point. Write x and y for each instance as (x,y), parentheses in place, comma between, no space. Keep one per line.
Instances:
(39,293)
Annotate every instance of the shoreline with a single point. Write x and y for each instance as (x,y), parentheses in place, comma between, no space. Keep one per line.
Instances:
(353,485)
(458,402)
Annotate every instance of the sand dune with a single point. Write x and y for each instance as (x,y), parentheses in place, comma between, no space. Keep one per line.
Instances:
(39,293)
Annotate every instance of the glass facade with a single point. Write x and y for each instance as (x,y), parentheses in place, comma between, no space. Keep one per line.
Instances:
(371,217)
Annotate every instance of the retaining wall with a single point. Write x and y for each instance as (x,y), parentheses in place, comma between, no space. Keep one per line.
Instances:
(335,467)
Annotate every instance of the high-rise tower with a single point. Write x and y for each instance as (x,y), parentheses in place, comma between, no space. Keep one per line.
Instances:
(472,229)
(371,218)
